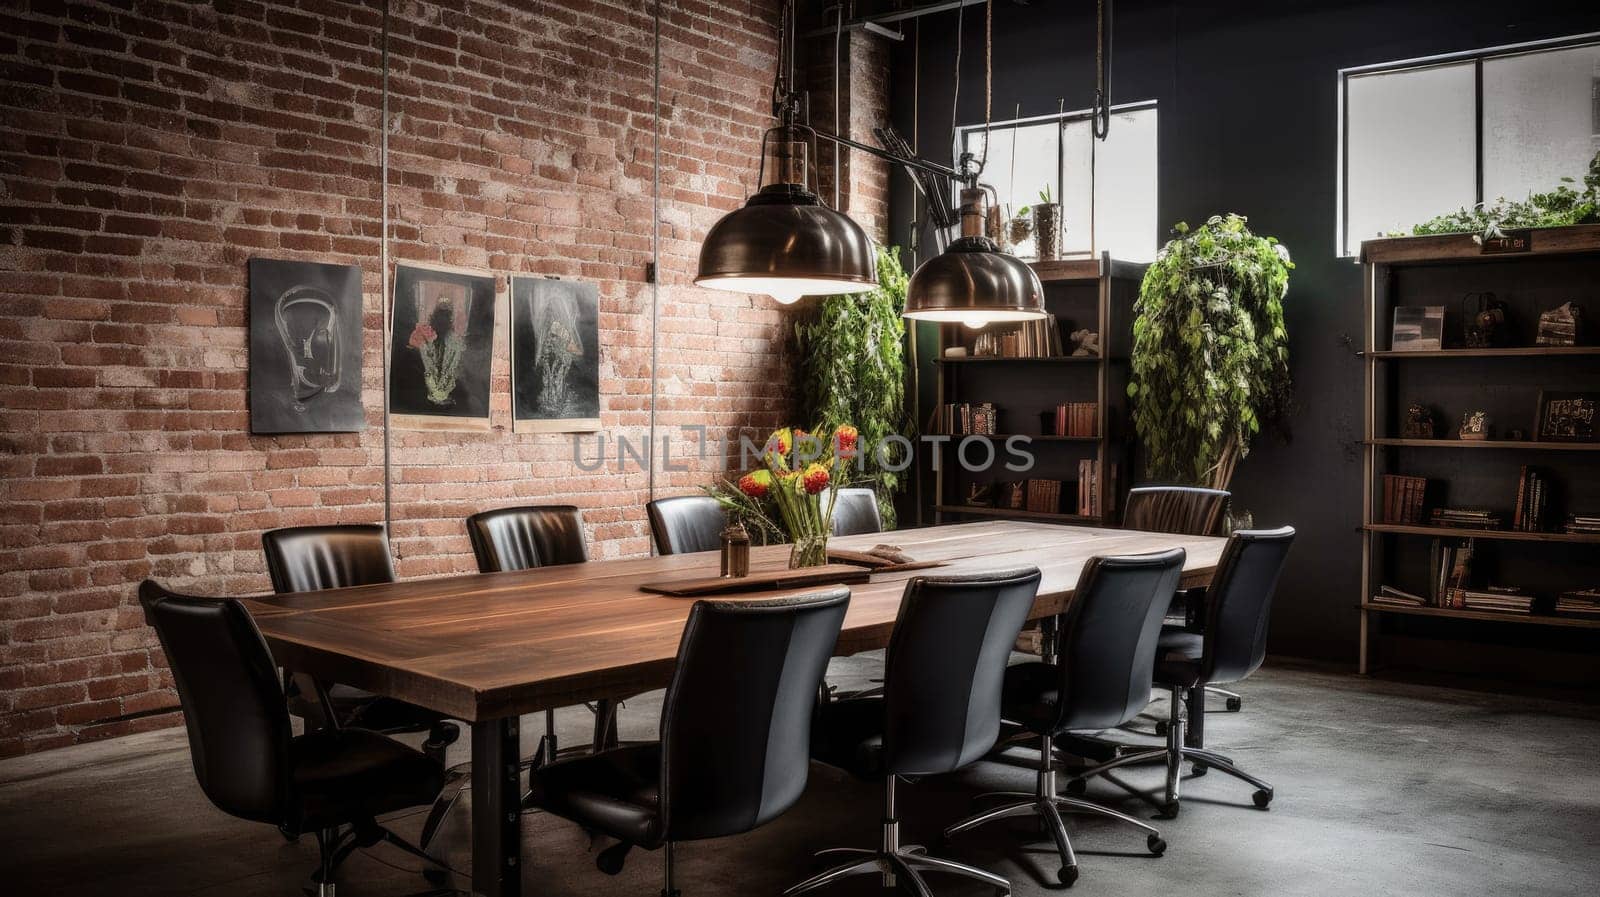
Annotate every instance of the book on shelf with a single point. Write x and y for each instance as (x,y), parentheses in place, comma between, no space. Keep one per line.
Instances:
(1505,601)
(1583,524)
(1044,496)
(1089,489)
(1535,491)
(1579,603)
(1037,338)
(1077,419)
(1404,499)
(1393,597)
(1450,566)
(1467,518)
(967,419)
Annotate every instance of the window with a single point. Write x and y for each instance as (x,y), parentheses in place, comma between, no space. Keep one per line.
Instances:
(1425,137)
(1107,190)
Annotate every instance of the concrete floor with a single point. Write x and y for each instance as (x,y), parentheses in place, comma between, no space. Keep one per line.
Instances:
(1382,788)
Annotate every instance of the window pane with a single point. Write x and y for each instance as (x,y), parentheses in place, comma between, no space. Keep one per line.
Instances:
(1124,182)
(1411,150)
(1539,120)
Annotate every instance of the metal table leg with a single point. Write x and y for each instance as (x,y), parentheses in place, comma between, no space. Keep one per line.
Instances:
(496,808)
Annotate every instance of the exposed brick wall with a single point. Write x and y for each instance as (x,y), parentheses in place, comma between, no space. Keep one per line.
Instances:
(150,149)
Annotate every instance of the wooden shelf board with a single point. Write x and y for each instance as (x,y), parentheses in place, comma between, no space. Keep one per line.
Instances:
(1493,616)
(1512,352)
(1490,444)
(1458,248)
(1016,513)
(1032,359)
(1498,535)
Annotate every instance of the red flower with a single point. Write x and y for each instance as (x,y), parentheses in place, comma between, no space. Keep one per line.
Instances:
(755,484)
(845,438)
(422,335)
(815,478)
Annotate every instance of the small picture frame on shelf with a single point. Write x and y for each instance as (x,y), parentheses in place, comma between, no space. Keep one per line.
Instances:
(1417,328)
(1567,416)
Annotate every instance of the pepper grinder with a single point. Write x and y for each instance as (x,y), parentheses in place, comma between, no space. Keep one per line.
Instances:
(735,550)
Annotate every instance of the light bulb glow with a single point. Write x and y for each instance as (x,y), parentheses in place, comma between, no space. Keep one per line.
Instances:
(975,323)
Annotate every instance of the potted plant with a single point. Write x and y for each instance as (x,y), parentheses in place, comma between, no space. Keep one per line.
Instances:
(1047,226)
(1210,358)
(793,493)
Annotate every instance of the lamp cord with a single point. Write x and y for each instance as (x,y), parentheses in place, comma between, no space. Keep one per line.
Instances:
(955,95)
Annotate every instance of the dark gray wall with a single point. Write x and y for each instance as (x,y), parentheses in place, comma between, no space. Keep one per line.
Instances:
(1248,120)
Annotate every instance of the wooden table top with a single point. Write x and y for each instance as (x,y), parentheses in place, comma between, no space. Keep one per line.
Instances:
(487,646)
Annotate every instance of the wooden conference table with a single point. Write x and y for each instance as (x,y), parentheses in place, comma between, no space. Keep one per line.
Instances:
(489,648)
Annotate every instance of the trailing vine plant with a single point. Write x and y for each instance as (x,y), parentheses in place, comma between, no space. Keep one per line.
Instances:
(1210,358)
(1560,207)
(853,371)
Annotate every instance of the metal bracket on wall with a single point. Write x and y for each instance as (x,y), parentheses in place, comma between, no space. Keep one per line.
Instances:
(649,272)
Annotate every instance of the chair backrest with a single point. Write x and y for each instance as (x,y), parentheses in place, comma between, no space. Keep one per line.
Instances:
(736,721)
(311,558)
(1239,602)
(946,665)
(686,524)
(855,511)
(1191,510)
(1109,637)
(232,705)
(521,538)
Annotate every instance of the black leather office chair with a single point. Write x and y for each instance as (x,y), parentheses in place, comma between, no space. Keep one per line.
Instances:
(1191,510)
(1109,638)
(855,511)
(735,725)
(1231,646)
(686,524)
(314,558)
(333,782)
(940,710)
(537,536)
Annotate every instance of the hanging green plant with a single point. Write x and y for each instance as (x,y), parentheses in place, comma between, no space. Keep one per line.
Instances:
(1210,354)
(1560,207)
(853,370)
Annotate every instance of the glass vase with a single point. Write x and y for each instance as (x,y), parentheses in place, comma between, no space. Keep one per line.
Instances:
(808,551)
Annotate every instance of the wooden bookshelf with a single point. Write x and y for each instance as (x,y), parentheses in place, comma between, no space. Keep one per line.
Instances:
(1505,382)
(1096,293)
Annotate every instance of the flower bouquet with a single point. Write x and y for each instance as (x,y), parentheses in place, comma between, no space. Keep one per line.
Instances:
(792,495)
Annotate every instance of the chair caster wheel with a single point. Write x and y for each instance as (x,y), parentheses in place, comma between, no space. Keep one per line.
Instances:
(611,859)
(1077,787)
(1069,875)
(1162,726)
(1199,769)
(1262,798)
(288,834)
(1235,705)
(1156,845)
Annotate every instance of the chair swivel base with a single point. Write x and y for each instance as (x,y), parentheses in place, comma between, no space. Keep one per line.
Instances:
(899,865)
(1047,805)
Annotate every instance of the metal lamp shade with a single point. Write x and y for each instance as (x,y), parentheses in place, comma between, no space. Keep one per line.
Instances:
(785,243)
(973,283)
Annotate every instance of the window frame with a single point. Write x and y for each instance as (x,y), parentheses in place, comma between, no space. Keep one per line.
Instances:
(1062,119)
(1341,237)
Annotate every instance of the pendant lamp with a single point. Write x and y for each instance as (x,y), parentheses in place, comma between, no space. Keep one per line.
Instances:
(972,282)
(784,242)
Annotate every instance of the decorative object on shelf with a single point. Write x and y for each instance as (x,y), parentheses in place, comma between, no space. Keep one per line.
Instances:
(1417,328)
(1483,327)
(792,495)
(1419,423)
(956,351)
(1560,207)
(442,348)
(735,549)
(853,370)
(555,356)
(1085,343)
(1497,241)
(980,495)
(305,348)
(1567,416)
(1021,227)
(1474,425)
(1561,326)
(1047,227)
(1011,494)
(1516,434)
(1210,359)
